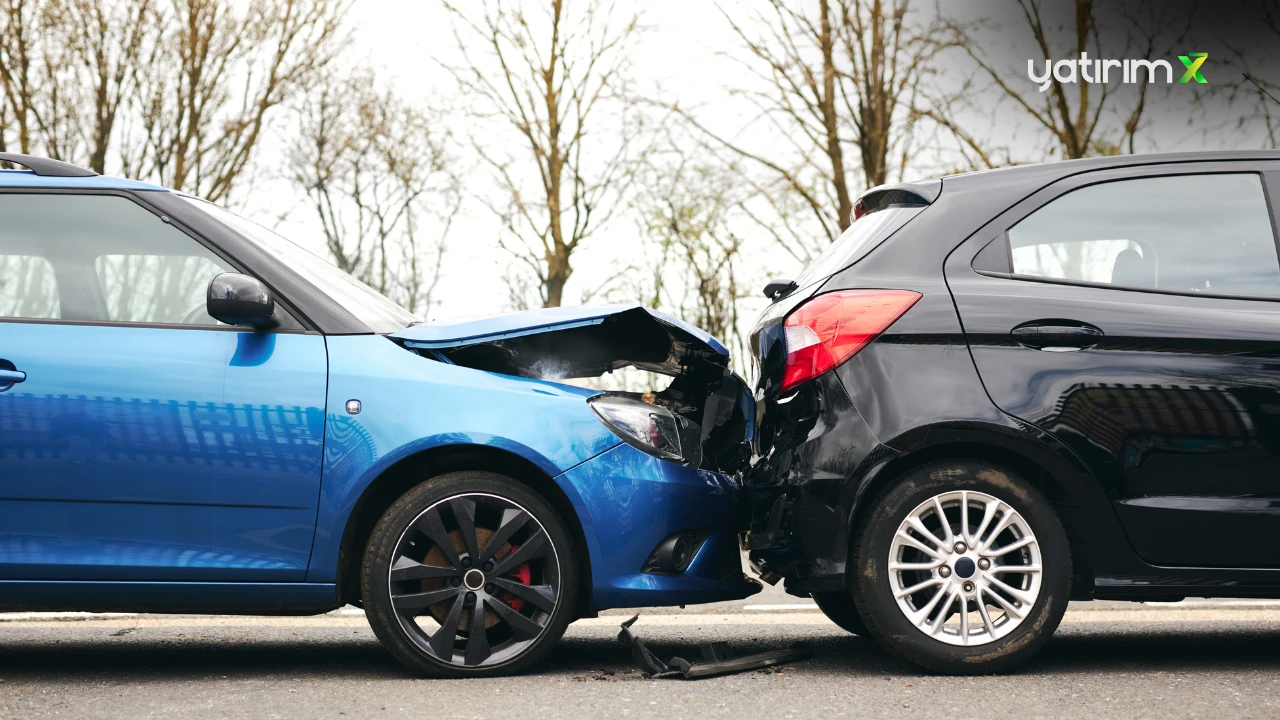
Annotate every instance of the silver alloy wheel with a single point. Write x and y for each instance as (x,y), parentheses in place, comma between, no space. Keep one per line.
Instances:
(452,569)
(965,568)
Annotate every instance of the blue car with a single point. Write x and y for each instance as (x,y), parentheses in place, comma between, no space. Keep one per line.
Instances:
(198,416)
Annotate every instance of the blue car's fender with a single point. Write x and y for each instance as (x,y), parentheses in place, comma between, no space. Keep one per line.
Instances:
(410,404)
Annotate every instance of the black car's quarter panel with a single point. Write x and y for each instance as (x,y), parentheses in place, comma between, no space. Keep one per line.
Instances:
(830,446)
(1174,407)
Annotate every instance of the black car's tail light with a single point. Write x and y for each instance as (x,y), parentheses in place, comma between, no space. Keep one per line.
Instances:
(831,328)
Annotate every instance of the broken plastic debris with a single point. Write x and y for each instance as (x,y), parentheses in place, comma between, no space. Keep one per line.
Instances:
(717,659)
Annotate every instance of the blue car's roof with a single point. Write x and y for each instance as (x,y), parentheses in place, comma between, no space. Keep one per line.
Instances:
(28,179)
(531,322)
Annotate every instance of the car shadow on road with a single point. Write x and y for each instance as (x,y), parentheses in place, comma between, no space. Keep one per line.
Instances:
(310,654)
(1093,649)
(1181,647)
(271,655)
(1076,649)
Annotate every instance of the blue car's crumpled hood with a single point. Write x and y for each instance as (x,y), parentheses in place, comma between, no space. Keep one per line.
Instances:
(565,342)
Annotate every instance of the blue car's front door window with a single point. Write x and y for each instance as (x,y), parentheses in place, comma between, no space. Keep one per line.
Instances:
(134,448)
(100,258)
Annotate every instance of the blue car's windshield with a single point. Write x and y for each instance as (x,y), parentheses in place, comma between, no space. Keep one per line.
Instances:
(368,305)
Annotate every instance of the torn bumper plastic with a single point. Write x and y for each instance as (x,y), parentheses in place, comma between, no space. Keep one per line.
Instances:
(716,658)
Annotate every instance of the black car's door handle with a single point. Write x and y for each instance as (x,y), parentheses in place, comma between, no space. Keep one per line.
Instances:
(1056,335)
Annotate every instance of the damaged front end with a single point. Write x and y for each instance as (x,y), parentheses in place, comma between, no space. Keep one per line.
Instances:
(663,508)
(703,419)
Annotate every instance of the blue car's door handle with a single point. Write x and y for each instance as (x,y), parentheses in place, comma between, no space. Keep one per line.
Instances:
(9,377)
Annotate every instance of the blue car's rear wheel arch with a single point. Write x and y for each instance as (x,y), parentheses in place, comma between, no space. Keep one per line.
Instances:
(469,574)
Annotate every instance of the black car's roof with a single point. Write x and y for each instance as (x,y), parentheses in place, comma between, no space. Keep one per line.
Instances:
(1051,171)
(969,201)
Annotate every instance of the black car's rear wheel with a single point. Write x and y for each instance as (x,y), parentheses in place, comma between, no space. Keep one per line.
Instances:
(962,567)
(469,574)
(838,606)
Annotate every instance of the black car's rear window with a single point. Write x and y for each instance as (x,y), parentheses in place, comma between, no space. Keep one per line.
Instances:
(863,236)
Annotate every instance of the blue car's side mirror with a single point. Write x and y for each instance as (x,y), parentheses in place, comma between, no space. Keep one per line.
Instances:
(237,299)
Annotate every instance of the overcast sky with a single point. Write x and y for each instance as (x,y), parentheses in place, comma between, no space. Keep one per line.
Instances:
(403,39)
(680,56)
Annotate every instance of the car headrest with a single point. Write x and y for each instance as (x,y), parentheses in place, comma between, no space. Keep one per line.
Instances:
(1132,269)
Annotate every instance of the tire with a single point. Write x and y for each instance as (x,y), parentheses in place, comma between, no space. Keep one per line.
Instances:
(838,606)
(1019,610)
(461,541)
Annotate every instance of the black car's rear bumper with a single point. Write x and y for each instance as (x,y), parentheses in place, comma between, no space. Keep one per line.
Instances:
(812,444)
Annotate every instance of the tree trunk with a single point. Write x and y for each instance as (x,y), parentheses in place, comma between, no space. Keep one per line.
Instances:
(831,122)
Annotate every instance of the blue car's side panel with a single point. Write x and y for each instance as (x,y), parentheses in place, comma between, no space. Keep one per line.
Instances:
(148,453)
(637,500)
(223,598)
(215,470)
(411,404)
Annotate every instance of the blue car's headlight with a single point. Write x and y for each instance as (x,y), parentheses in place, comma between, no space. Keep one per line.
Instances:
(653,429)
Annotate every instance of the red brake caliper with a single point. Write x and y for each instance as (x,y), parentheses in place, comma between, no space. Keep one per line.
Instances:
(522,574)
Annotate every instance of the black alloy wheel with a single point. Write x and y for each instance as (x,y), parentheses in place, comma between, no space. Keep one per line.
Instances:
(469,574)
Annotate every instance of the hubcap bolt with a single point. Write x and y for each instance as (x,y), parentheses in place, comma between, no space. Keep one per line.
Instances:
(455,581)
(470,599)
(968,587)
(466,562)
(944,571)
(488,566)
(960,547)
(490,588)
(984,564)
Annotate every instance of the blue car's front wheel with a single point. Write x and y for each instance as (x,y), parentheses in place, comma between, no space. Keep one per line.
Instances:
(469,574)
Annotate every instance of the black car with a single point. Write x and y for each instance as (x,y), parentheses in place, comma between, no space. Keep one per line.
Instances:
(1002,391)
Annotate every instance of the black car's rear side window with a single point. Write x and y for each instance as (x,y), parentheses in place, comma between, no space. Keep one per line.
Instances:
(1207,234)
(863,236)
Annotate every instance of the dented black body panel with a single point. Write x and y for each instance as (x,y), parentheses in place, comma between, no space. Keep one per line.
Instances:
(826,450)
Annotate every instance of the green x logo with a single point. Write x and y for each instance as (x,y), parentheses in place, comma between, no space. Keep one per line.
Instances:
(1193,61)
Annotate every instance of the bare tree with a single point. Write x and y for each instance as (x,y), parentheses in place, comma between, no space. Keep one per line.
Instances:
(379,177)
(833,82)
(105,42)
(218,76)
(551,78)
(66,67)
(21,24)
(1077,117)
(1256,88)
(4,129)
(175,91)
(689,207)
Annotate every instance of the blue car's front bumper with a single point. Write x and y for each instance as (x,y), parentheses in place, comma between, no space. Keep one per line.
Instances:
(629,501)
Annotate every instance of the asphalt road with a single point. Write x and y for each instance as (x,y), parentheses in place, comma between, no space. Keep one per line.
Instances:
(1191,660)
